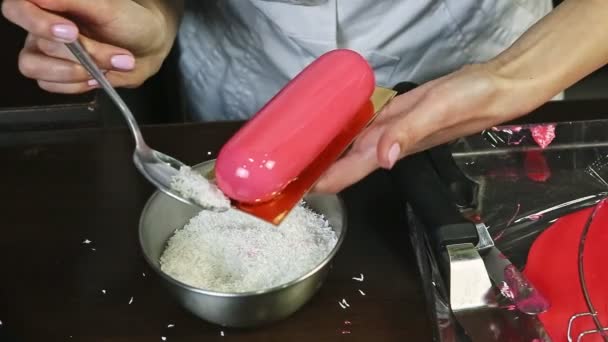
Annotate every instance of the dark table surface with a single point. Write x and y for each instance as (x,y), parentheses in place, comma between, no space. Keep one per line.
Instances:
(62,188)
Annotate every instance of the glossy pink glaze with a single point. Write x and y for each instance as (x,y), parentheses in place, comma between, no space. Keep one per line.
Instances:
(294,127)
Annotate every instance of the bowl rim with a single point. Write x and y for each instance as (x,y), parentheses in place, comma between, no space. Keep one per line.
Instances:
(277,288)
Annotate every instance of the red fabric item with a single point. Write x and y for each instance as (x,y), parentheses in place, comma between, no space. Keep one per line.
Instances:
(553,268)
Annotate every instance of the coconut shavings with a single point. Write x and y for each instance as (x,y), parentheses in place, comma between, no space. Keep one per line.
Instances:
(192,185)
(234,252)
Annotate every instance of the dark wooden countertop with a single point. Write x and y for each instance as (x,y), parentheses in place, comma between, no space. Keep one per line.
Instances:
(62,188)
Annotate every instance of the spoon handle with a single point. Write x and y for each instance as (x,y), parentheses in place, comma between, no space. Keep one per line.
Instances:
(87,62)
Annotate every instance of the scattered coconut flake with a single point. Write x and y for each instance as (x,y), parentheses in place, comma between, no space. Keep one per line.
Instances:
(143,274)
(235,252)
(103,291)
(345,332)
(86,241)
(345,303)
(131,301)
(192,185)
(0,323)
(93,249)
(222,333)
(208,153)
(170,325)
(347,323)
(361,292)
(342,305)
(163,338)
(360,278)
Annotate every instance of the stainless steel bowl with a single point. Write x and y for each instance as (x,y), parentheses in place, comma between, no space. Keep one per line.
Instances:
(162,215)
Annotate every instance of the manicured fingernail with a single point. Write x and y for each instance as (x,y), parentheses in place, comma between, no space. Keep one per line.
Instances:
(93,83)
(123,62)
(66,33)
(393,154)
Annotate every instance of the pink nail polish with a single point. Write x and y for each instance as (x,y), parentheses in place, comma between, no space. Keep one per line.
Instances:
(65,33)
(123,62)
(93,83)
(393,154)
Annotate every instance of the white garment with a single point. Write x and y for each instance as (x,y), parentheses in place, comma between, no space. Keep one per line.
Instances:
(236,54)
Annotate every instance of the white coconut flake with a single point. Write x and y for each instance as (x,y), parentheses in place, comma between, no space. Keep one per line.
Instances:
(345,303)
(360,278)
(103,291)
(235,252)
(86,241)
(222,333)
(131,301)
(170,325)
(143,274)
(0,323)
(163,338)
(342,305)
(361,292)
(192,185)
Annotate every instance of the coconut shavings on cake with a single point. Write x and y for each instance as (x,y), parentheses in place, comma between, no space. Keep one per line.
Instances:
(235,252)
(192,185)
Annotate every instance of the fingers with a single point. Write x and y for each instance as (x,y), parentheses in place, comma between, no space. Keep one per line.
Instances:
(50,61)
(53,31)
(106,56)
(57,70)
(67,88)
(117,79)
(407,128)
(44,68)
(348,170)
(39,22)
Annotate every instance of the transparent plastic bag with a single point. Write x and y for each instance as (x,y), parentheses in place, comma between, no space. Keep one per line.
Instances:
(523,181)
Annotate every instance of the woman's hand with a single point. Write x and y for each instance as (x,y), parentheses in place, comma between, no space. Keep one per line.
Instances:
(461,103)
(128,39)
(561,49)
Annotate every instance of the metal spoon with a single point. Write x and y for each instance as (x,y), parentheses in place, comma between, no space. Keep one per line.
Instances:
(157,167)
